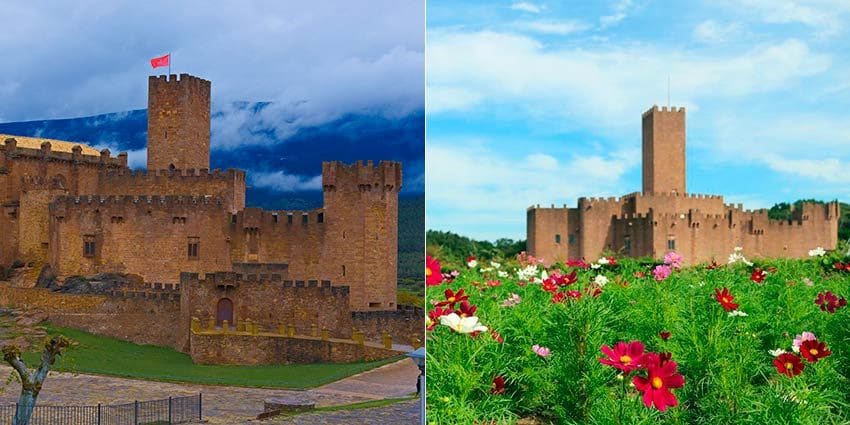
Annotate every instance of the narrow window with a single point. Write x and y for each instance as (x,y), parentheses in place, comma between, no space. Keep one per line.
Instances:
(233,218)
(671,243)
(289,219)
(193,245)
(557,238)
(343,270)
(274,217)
(321,218)
(88,246)
(627,244)
(572,239)
(304,218)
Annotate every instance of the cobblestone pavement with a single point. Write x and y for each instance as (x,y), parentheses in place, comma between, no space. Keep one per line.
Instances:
(401,413)
(222,404)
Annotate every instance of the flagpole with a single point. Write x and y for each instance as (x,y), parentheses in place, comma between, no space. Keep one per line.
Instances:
(169,64)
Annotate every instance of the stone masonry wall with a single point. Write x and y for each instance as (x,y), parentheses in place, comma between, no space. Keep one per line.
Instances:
(178,122)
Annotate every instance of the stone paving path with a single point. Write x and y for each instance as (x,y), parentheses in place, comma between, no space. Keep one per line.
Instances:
(222,404)
(401,413)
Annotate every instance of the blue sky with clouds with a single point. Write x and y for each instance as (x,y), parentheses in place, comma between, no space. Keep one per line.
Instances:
(540,102)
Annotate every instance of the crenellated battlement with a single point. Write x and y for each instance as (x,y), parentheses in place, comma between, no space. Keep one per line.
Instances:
(257,217)
(125,175)
(77,154)
(385,176)
(551,207)
(233,279)
(146,202)
(663,109)
(29,183)
(190,82)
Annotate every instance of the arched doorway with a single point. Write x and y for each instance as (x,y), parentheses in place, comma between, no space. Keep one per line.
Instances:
(224,311)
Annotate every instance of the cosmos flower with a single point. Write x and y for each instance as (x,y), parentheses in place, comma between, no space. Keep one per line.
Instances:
(498,387)
(798,341)
(463,325)
(435,315)
(758,275)
(541,351)
(776,352)
(829,302)
(673,259)
(661,377)
(600,280)
(788,364)
(665,335)
(433,272)
(466,309)
(661,272)
(452,298)
(813,350)
(512,300)
(735,313)
(471,262)
(817,252)
(625,356)
(725,299)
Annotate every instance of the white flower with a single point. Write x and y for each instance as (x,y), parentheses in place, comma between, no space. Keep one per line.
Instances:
(737,313)
(463,325)
(527,273)
(600,280)
(472,264)
(603,261)
(503,273)
(737,256)
(817,252)
(486,269)
(776,352)
(798,341)
(495,264)
(595,266)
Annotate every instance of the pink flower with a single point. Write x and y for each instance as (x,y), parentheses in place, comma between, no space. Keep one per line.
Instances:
(673,259)
(798,341)
(540,351)
(661,272)
(626,356)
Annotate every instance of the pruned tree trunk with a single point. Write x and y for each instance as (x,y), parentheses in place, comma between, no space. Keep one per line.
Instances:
(31,381)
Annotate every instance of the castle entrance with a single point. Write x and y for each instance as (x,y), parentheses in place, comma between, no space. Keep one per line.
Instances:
(224,311)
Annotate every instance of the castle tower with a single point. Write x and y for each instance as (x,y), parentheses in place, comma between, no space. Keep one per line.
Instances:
(361,238)
(664,150)
(178,122)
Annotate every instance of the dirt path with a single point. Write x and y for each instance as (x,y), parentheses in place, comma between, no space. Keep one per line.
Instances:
(222,405)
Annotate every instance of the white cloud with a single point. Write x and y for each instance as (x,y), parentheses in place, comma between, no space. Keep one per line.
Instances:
(561,27)
(602,87)
(620,11)
(526,7)
(469,179)
(711,31)
(279,180)
(826,17)
(829,170)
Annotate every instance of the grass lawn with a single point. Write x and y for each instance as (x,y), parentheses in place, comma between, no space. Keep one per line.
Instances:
(109,356)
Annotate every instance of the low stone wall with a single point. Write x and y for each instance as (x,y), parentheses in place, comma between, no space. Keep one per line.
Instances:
(245,348)
(404,324)
(138,317)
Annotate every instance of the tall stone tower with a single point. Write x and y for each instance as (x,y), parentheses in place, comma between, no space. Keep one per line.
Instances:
(664,150)
(361,230)
(178,122)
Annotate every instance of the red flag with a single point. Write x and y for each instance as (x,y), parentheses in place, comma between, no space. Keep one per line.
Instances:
(161,61)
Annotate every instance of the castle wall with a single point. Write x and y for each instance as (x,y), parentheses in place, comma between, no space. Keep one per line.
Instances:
(595,218)
(633,235)
(361,230)
(552,234)
(228,185)
(147,236)
(670,203)
(138,317)
(403,324)
(814,225)
(267,300)
(178,122)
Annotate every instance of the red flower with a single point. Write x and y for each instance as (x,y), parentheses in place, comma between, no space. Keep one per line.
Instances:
(549,285)
(564,279)
(758,275)
(640,275)
(466,309)
(813,350)
(496,336)
(661,377)
(713,265)
(593,291)
(498,385)
(574,294)
(725,299)
(558,297)
(788,364)
(612,261)
(829,302)
(624,356)
(435,315)
(665,335)
(841,266)
(578,263)
(433,272)
(452,298)
(494,283)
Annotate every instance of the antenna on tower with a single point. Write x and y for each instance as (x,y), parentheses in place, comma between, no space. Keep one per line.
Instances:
(668,91)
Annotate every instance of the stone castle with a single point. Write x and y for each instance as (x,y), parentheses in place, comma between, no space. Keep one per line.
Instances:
(664,217)
(185,229)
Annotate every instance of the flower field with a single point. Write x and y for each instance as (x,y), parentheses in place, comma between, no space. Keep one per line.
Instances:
(623,341)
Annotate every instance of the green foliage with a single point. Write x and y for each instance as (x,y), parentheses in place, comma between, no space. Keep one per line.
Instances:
(411,240)
(782,211)
(729,374)
(108,356)
(453,249)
